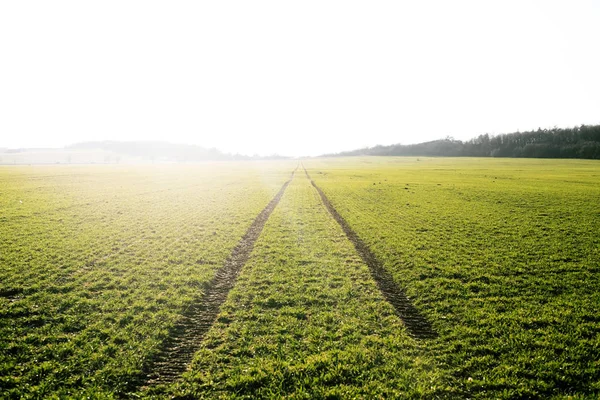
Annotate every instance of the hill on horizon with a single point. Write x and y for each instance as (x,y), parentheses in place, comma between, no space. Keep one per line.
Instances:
(112,151)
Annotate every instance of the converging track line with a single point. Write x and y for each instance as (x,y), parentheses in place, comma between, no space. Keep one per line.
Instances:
(186,337)
(416,324)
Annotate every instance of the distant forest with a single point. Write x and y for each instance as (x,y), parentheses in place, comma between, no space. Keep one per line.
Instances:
(577,142)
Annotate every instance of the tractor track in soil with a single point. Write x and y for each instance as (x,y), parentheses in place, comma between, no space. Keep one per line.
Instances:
(187,335)
(416,324)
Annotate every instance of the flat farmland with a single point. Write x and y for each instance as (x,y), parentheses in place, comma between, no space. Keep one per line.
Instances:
(348,278)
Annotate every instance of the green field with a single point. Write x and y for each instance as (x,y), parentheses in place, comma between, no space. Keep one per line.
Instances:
(105,271)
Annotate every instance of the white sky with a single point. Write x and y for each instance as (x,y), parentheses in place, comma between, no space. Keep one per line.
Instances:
(296,78)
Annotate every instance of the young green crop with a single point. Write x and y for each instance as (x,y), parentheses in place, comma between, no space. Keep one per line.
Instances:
(501,255)
(97,264)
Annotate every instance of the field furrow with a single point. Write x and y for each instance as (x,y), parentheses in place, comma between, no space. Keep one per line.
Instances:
(416,324)
(187,334)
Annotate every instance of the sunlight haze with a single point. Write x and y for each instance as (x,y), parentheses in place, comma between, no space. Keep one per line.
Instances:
(293,78)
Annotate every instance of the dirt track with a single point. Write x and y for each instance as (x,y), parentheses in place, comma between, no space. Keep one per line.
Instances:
(186,337)
(416,324)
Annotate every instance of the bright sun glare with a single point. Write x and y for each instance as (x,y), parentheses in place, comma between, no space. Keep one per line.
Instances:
(294,78)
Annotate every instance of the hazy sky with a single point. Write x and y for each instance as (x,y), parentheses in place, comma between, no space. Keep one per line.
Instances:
(296,78)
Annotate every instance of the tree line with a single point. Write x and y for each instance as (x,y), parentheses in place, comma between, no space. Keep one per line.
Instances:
(577,142)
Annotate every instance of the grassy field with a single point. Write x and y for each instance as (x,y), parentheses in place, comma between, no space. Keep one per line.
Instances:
(99,265)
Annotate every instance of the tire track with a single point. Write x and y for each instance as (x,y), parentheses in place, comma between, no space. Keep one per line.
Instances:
(416,324)
(185,338)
